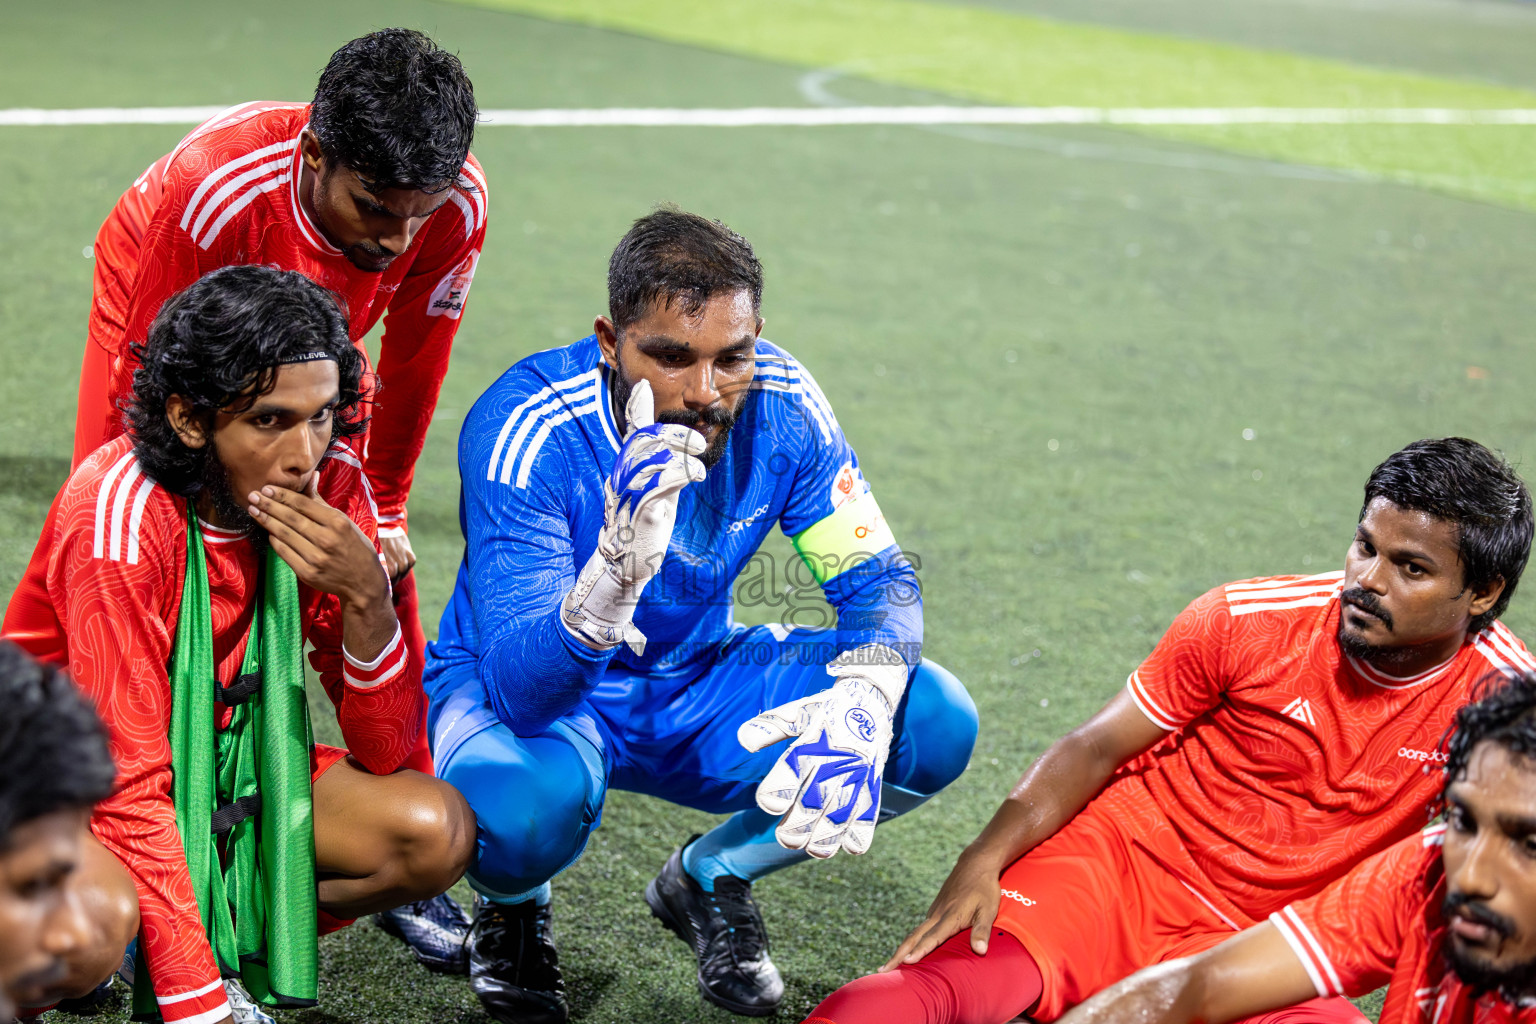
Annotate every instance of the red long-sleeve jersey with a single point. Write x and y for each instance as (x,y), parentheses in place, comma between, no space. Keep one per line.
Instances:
(228,194)
(101,597)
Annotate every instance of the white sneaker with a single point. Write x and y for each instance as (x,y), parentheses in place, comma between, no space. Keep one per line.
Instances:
(242,1010)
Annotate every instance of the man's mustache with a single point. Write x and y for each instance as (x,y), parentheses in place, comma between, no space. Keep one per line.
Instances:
(1459,904)
(36,987)
(711,416)
(1367,602)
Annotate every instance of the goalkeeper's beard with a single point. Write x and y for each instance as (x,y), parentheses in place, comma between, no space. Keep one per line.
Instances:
(714,416)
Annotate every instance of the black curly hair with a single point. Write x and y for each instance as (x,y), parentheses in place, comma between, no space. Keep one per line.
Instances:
(53,749)
(1464,483)
(1504,712)
(397,109)
(219,343)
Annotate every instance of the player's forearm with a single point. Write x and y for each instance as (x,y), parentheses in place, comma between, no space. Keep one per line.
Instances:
(1170,993)
(539,672)
(137,825)
(1058,785)
(393,448)
(368,625)
(380,722)
(413,359)
(880,602)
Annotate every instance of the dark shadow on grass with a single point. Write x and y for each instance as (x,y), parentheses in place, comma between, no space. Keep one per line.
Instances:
(585,989)
(34,478)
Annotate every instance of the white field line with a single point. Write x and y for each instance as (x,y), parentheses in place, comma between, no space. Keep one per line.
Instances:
(750,117)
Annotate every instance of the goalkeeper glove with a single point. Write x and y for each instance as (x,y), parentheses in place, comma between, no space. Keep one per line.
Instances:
(655,463)
(827,784)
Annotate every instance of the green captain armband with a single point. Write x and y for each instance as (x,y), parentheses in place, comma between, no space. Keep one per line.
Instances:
(850,536)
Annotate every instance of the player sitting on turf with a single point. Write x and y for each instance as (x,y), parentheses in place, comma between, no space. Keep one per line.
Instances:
(613,491)
(369,190)
(1448,918)
(1276,736)
(180,572)
(53,767)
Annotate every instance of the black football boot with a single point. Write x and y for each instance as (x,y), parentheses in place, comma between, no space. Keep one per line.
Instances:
(513,966)
(726,934)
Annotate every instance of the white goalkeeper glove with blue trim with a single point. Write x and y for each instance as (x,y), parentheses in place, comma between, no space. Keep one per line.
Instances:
(827,784)
(655,463)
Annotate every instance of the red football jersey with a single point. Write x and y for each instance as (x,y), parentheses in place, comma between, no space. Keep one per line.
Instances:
(228,194)
(1289,761)
(101,597)
(1382,924)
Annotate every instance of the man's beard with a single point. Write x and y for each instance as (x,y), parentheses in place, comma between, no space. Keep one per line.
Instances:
(713,416)
(370,259)
(1511,980)
(1380,655)
(38,988)
(231,513)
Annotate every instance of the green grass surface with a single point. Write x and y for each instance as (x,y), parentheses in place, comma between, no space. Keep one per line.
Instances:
(965,298)
(1485,40)
(996,55)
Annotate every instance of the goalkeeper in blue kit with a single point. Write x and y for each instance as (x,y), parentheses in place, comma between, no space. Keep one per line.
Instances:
(613,490)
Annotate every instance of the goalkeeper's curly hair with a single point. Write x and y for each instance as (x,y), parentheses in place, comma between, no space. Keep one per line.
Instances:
(1503,713)
(219,343)
(53,749)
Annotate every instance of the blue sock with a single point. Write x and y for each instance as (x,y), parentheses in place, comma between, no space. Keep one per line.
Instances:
(743,845)
(540,895)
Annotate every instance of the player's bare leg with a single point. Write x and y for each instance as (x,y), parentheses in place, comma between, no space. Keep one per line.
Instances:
(105,918)
(385,840)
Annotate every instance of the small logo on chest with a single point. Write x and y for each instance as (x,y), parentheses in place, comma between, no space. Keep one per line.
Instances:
(1018,897)
(1301,710)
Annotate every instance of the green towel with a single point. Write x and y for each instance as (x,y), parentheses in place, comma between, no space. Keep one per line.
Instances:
(257,901)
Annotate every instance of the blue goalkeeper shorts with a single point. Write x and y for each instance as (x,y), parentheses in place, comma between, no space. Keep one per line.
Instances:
(538,798)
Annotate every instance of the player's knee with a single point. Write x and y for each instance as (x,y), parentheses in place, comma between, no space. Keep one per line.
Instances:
(533,844)
(532,821)
(436,835)
(874,999)
(941,723)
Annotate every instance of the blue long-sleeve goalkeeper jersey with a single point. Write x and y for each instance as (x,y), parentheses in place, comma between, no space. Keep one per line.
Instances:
(533,456)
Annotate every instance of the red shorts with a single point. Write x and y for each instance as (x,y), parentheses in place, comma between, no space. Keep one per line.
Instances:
(321,758)
(1092,906)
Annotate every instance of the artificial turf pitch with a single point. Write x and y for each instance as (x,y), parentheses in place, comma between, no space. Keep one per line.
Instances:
(1090,373)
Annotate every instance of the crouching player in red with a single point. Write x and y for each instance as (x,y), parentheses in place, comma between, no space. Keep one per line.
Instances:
(1447,919)
(1278,734)
(369,190)
(180,572)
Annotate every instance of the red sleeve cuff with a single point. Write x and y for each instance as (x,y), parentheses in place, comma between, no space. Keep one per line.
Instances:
(1314,959)
(391,522)
(367,675)
(202,1005)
